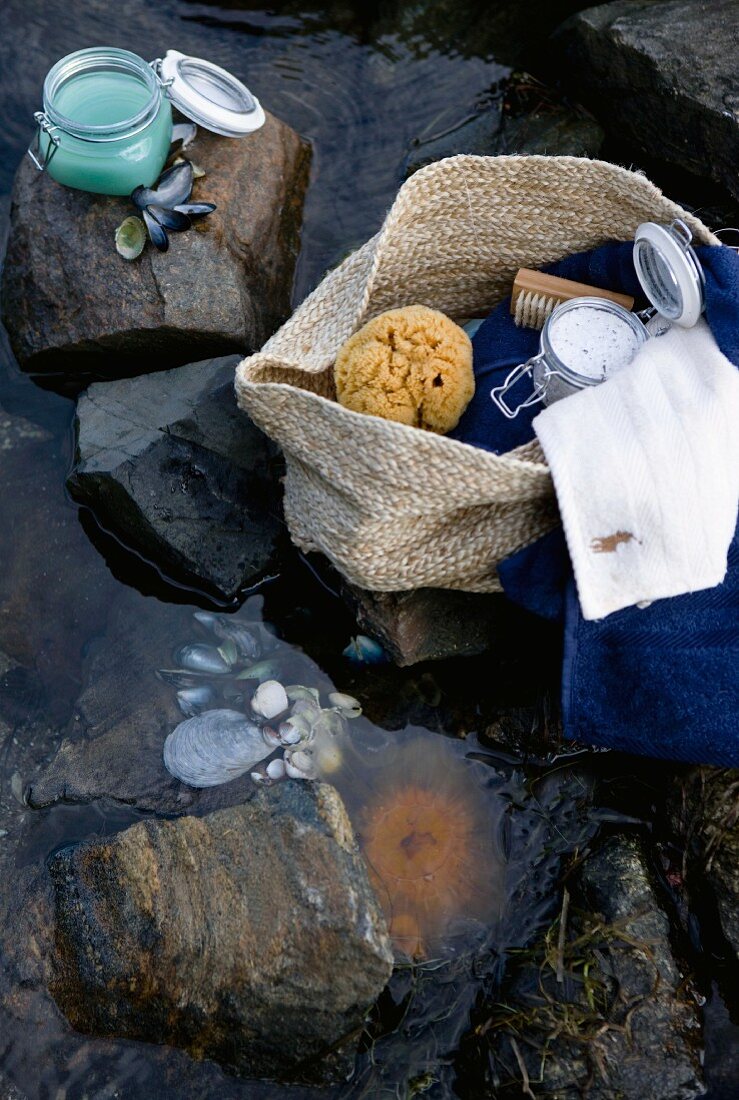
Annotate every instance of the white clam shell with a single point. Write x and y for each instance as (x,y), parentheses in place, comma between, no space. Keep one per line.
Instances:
(214,747)
(289,734)
(296,692)
(299,764)
(270,699)
(346,705)
(276,768)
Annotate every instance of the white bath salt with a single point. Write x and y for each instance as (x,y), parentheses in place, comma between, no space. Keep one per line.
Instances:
(593,342)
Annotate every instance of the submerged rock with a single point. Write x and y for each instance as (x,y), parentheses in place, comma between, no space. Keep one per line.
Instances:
(170,465)
(249,936)
(112,748)
(663,76)
(74,307)
(601,1006)
(426,624)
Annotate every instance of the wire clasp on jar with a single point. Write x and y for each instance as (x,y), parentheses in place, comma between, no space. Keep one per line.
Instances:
(156,67)
(42,160)
(498,392)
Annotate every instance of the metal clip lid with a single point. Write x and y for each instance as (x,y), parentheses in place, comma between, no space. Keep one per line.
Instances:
(669,271)
(209,95)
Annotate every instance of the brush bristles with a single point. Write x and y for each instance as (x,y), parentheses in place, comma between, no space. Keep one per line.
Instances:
(532,310)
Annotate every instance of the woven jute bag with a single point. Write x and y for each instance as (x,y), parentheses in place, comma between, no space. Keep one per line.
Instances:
(395,507)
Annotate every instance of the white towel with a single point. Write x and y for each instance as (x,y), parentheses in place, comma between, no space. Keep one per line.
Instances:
(646,470)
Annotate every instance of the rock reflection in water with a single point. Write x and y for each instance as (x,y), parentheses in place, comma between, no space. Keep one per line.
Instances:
(427,821)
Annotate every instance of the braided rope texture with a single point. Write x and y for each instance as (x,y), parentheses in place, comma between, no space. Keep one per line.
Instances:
(391,506)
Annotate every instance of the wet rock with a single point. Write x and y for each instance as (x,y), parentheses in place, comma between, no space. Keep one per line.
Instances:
(533,732)
(170,465)
(249,936)
(426,624)
(525,117)
(54,588)
(74,307)
(609,1015)
(663,76)
(8,1091)
(704,810)
(112,747)
(506,31)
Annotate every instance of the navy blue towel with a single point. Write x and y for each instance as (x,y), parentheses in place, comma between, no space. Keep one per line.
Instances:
(658,681)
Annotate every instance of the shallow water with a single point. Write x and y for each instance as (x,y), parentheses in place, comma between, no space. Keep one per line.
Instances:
(362,83)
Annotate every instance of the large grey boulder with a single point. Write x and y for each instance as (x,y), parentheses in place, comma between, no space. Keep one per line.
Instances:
(169,464)
(250,936)
(663,76)
(600,1006)
(74,307)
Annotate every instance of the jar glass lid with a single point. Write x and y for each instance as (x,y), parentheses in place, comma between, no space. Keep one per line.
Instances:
(209,95)
(669,271)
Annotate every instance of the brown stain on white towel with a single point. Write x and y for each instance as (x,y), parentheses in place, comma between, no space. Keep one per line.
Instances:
(609,544)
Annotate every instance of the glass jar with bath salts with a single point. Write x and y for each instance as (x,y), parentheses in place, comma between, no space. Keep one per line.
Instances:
(586,341)
(106,125)
(583,342)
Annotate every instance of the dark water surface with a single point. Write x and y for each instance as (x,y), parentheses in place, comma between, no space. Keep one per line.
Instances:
(361,82)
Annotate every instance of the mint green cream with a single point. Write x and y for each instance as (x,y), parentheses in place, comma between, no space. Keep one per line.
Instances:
(106,126)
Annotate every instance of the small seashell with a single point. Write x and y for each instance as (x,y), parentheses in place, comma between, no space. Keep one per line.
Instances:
(364,650)
(306,707)
(269,699)
(193,700)
(214,747)
(174,218)
(195,210)
(130,238)
(299,764)
(276,768)
(289,734)
(229,652)
(271,736)
(262,670)
(186,132)
(180,677)
(229,629)
(197,171)
(297,692)
(303,724)
(208,619)
(173,187)
(157,233)
(245,640)
(346,705)
(202,658)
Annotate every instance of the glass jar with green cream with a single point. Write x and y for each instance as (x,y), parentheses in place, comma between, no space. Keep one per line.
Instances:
(106,125)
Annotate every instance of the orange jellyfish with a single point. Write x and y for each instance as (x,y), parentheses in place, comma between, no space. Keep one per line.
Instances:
(426,821)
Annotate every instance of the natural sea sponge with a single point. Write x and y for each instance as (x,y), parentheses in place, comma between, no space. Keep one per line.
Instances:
(413,365)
